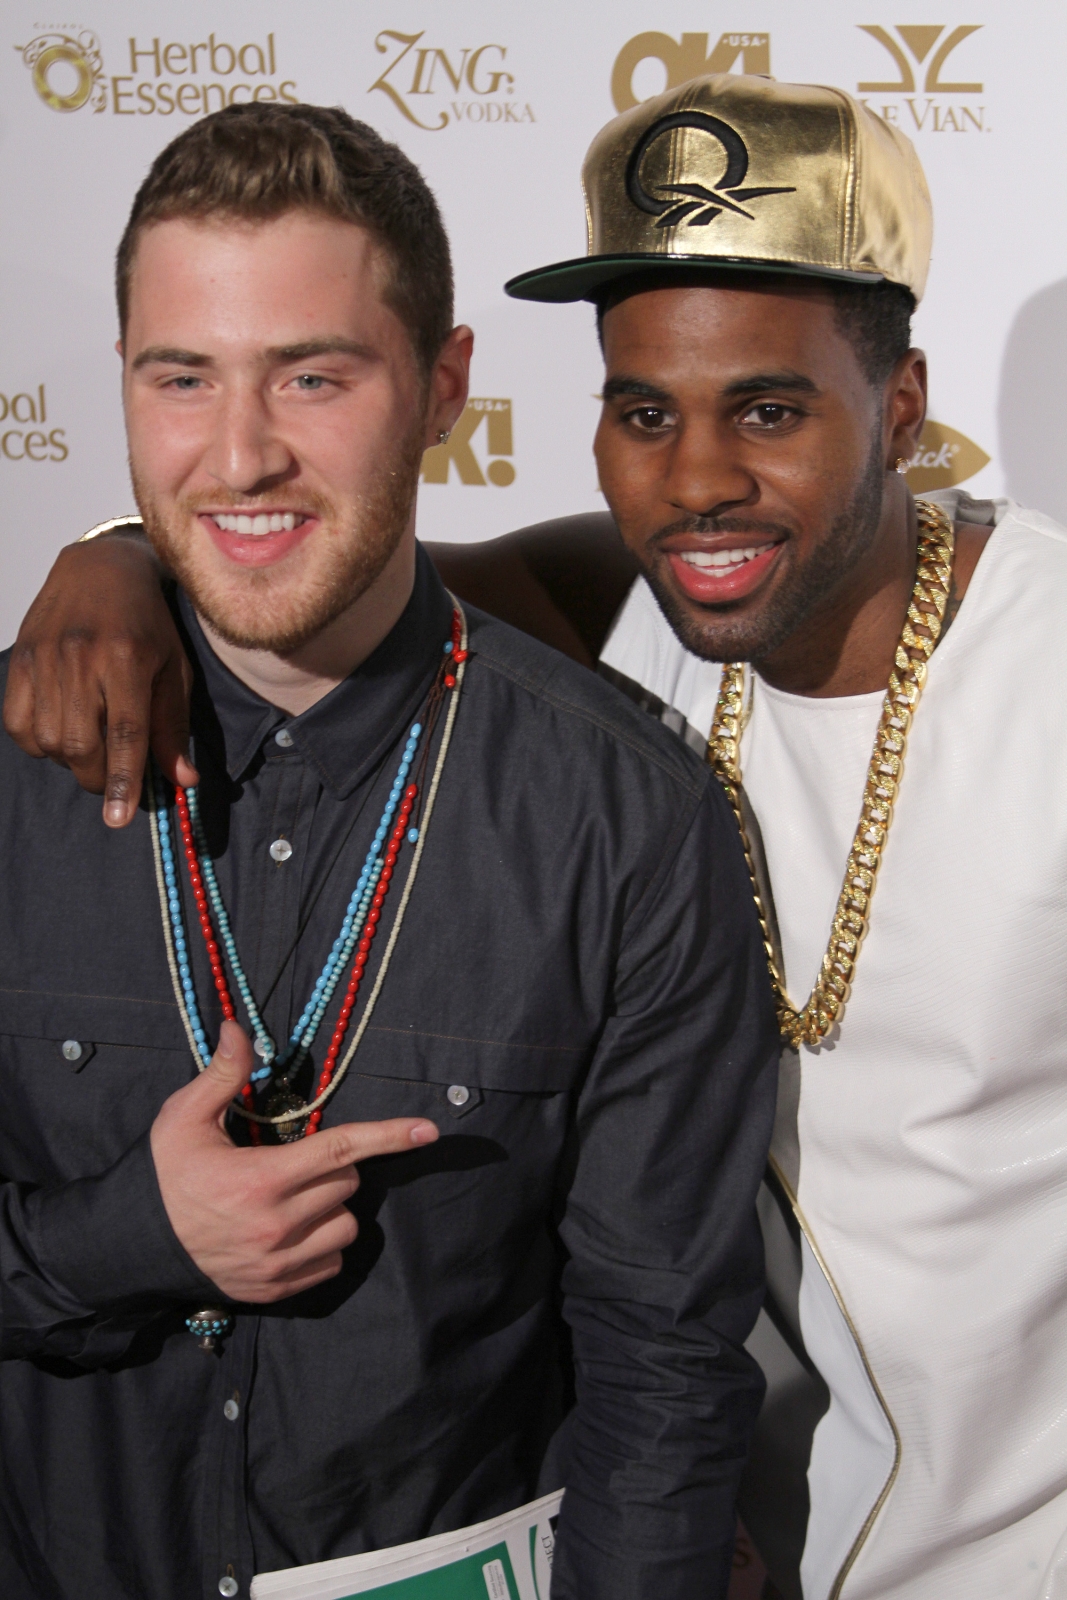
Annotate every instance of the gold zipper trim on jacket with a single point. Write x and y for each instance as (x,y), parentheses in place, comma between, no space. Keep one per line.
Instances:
(861,1538)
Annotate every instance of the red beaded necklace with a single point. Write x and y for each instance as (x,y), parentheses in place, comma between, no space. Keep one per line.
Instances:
(447,679)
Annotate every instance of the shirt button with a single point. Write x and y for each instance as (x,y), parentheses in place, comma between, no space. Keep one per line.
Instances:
(458,1094)
(284,738)
(72,1050)
(227,1585)
(281,850)
(231,1411)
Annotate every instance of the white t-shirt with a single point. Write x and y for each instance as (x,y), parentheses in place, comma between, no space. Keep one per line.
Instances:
(925,1143)
(817,753)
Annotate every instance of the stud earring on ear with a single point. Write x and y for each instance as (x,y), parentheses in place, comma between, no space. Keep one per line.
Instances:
(902,464)
(444,435)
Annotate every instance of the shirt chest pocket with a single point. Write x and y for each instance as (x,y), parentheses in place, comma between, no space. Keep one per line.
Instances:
(81,1078)
(504,1115)
(472,1087)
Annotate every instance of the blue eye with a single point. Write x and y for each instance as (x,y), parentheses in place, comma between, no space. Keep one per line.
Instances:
(310,382)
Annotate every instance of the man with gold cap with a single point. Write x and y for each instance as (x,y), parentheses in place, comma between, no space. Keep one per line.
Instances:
(756,250)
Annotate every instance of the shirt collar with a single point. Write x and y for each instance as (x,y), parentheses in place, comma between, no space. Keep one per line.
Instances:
(351,729)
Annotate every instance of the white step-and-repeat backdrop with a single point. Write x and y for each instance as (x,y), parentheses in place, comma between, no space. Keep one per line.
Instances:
(497,103)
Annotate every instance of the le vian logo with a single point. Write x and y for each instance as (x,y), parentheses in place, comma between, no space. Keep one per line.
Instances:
(685,58)
(924,50)
(474,82)
(189,76)
(457,451)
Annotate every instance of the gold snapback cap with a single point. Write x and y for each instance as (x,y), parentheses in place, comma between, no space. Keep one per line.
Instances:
(730,171)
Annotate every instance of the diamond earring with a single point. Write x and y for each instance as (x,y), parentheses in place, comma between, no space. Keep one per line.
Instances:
(444,435)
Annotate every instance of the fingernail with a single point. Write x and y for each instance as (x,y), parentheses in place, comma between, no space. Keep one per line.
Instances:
(423,1132)
(226,1039)
(115,813)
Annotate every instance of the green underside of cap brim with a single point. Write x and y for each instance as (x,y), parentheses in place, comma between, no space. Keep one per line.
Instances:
(583,278)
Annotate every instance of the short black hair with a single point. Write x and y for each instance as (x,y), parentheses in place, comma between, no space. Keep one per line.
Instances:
(876,321)
(258,160)
(875,318)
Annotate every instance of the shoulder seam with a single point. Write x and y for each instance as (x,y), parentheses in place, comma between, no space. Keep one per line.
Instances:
(1054,532)
(692,785)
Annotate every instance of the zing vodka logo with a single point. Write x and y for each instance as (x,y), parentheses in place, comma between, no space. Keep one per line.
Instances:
(474,82)
(924,51)
(457,451)
(685,58)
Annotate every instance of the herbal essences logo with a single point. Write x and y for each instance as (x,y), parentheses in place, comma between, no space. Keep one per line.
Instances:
(685,58)
(494,441)
(24,435)
(165,75)
(944,458)
(921,55)
(67,68)
(435,89)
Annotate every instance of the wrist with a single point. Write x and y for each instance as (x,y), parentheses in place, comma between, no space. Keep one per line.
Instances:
(123,533)
(108,1239)
(129,525)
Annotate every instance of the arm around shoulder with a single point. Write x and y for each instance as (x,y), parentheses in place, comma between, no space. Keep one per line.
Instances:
(98,672)
(562,581)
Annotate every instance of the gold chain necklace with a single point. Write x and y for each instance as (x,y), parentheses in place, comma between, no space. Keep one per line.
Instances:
(925,610)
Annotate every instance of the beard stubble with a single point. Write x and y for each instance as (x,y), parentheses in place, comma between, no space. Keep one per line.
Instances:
(261,609)
(720,633)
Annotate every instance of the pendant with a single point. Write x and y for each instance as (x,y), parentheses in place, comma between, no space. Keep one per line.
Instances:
(209,1326)
(282,1100)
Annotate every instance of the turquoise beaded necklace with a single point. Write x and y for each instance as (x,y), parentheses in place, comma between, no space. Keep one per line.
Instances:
(290,1115)
(303,1035)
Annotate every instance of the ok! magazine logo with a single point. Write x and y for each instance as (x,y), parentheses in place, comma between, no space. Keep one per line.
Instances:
(685,58)
(486,423)
(157,75)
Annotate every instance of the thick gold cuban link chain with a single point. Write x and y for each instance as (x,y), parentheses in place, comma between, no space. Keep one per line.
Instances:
(926,611)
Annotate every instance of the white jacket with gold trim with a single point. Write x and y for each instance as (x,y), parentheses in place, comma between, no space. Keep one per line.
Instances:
(913,1445)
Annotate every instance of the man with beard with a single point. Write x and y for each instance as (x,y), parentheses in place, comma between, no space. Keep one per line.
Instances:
(760,398)
(446,880)
(896,783)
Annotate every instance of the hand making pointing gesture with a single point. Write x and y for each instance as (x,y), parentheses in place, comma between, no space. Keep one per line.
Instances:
(262,1223)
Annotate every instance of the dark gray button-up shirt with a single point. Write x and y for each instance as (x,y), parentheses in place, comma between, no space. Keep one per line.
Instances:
(577,998)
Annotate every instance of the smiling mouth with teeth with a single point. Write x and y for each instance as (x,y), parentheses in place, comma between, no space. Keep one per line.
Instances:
(259,523)
(722,560)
